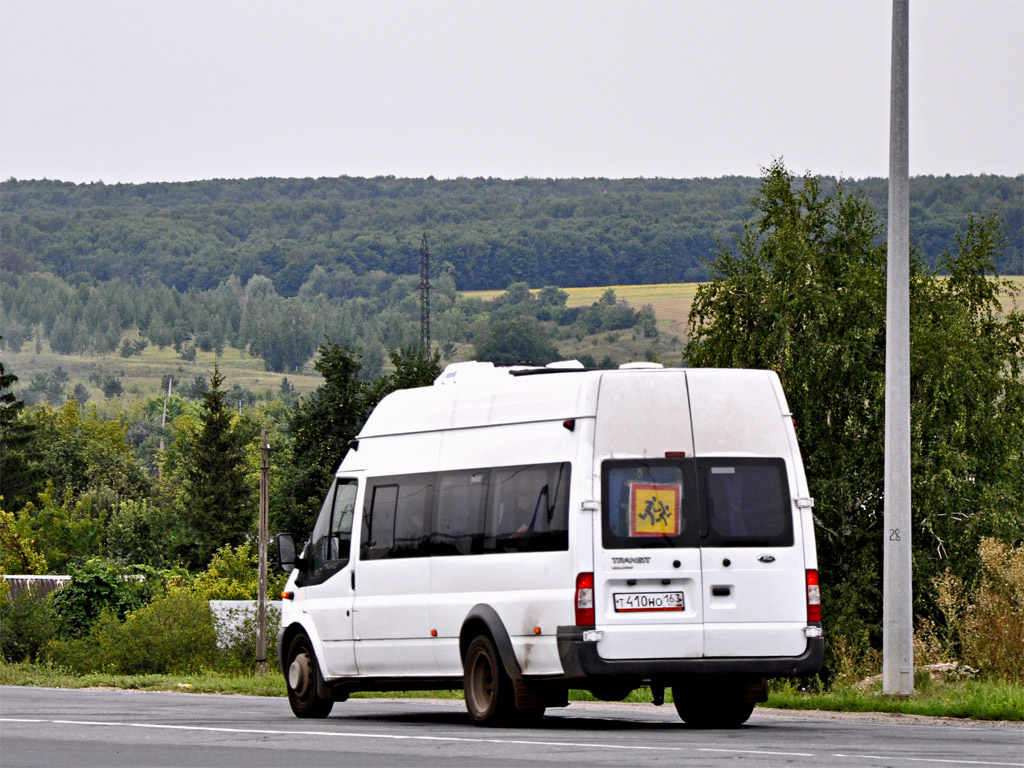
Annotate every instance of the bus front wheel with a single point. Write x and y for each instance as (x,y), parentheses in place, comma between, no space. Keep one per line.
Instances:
(302,677)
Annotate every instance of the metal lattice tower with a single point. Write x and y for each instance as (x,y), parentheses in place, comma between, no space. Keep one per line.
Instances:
(424,296)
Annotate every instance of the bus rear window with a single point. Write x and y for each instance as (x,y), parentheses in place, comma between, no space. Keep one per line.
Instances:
(649,503)
(746,502)
(714,502)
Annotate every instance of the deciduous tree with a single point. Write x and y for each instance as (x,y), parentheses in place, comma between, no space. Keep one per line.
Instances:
(517,339)
(321,427)
(802,292)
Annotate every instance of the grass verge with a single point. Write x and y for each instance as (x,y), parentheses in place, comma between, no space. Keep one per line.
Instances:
(972,699)
(272,684)
(969,699)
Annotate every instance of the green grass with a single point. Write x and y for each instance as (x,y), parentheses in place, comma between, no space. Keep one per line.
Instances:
(969,699)
(272,684)
(973,699)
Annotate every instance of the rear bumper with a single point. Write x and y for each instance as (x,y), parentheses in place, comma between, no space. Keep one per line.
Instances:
(581,660)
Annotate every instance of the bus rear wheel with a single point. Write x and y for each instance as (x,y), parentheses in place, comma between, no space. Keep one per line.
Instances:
(302,677)
(490,697)
(716,713)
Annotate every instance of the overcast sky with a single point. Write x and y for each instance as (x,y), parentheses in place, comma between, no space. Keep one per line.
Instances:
(173,90)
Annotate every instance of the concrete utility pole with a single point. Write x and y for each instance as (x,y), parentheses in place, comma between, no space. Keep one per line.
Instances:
(424,297)
(261,608)
(897,603)
(163,421)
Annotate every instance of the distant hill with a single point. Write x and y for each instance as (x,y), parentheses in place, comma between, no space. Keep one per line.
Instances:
(486,232)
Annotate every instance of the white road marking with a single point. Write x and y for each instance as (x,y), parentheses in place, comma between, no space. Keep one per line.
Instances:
(754,752)
(944,760)
(401,737)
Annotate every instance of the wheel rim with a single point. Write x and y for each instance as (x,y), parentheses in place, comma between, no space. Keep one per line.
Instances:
(481,685)
(300,673)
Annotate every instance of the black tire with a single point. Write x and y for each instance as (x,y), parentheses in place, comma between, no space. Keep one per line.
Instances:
(611,691)
(529,717)
(701,712)
(490,697)
(302,676)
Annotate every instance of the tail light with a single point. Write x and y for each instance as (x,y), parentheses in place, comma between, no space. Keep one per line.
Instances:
(585,600)
(813,597)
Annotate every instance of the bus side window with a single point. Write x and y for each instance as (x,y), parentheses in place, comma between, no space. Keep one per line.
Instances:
(329,545)
(379,522)
(528,509)
(459,513)
(513,498)
(551,527)
(412,516)
(341,520)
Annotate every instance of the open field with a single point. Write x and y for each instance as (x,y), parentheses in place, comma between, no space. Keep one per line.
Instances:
(1017,294)
(671,301)
(141,375)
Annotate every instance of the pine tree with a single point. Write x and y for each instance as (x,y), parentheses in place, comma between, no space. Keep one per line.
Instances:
(215,480)
(18,482)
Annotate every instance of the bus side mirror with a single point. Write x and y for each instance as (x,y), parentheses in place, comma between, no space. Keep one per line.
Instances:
(287,560)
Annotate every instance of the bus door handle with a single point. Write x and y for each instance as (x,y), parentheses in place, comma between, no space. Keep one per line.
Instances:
(720,591)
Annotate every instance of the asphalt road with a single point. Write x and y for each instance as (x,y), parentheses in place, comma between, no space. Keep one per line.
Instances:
(85,728)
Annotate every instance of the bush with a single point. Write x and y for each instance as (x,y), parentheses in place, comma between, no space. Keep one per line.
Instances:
(233,574)
(98,586)
(26,626)
(105,624)
(75,655)
(937,640)
(174,633)
(992,638)
(849,656)
(979,624)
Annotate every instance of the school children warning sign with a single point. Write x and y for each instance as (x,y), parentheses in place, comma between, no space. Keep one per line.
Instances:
(654,509)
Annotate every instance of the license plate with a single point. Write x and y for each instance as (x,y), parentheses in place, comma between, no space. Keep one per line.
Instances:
(648,601)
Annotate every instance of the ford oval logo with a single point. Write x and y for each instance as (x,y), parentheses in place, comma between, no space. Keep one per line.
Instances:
(767,558)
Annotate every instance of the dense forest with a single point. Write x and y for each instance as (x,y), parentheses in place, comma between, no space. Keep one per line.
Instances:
(275,266)
(487,233)
(284,332)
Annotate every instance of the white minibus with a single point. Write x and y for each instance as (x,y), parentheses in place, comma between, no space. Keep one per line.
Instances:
(521,531)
